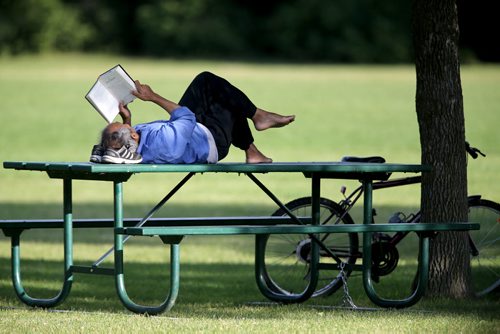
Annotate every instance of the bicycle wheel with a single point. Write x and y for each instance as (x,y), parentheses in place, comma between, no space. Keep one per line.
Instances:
(286,256)
(485,255)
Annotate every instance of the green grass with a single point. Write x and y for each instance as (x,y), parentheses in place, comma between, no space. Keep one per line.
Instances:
(341,110)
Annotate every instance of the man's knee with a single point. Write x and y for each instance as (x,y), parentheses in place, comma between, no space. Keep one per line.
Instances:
(205,77)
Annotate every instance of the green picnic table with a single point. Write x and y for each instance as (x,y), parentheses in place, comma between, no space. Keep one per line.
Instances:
(172,230)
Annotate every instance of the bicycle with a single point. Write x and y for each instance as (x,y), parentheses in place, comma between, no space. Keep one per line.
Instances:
(286,256)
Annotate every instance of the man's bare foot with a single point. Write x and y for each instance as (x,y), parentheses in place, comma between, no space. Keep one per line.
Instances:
(254,156)
(263,120)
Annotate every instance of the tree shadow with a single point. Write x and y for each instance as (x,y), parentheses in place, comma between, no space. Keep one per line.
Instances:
(104,235)
(146,283)
(97,210)
(204,283)
(207,290)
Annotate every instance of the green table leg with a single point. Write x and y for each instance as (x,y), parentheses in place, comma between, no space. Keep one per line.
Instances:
(422,279)
(119,275)
(261,276)
(423,261)
(68,258)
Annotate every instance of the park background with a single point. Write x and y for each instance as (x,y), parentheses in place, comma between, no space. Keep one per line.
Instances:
(343,67)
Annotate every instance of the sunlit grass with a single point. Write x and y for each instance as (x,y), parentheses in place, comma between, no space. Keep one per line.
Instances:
(341,110)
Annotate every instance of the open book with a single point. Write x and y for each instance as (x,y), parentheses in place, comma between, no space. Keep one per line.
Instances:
(111,88)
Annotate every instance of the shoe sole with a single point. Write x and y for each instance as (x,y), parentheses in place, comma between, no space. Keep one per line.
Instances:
(115,160)
(96,158)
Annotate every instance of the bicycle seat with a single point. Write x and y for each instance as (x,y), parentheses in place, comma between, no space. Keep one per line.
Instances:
(373,159)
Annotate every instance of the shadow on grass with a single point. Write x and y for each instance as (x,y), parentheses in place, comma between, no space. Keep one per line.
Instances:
(96,210)
(103,210)
(215,290)
(211,289)
(148,283)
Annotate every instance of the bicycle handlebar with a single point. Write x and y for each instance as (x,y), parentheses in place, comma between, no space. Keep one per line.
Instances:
(473,151)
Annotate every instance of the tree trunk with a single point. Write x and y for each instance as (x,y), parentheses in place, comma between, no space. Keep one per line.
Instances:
(439,106)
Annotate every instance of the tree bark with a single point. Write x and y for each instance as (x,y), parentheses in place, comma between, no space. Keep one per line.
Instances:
(439,106)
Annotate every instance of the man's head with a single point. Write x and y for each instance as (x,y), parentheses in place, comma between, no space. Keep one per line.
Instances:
(116,135)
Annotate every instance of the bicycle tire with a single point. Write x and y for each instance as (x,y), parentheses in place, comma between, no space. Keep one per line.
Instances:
(285,255)
(485,266)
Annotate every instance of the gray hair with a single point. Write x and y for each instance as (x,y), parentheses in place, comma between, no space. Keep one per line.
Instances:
(118,139)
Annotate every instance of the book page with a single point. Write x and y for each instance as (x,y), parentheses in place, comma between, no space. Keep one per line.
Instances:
(105,103)
(111,88)
(119,84)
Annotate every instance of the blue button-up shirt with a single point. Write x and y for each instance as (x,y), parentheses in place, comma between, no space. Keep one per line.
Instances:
(179,140)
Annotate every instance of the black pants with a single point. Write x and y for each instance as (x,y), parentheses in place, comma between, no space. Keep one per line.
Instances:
(222,108)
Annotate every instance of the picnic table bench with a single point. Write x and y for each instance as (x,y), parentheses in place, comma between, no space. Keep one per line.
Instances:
(172,230)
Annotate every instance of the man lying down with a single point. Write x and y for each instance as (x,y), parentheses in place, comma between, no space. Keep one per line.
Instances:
(211,115)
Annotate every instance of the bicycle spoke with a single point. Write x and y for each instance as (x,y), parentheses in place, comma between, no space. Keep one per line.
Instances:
(291,274)
(485,263)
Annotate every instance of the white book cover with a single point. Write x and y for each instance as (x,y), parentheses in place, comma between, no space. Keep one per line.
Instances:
(111,88)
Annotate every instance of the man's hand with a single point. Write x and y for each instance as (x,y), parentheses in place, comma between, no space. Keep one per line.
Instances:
(125,114)
(143,92)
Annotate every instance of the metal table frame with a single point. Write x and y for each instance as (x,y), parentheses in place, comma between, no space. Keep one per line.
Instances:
(173,230)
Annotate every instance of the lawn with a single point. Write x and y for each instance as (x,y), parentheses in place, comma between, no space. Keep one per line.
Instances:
(341,110)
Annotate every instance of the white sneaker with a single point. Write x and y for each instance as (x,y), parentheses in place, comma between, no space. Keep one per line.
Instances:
(121,156)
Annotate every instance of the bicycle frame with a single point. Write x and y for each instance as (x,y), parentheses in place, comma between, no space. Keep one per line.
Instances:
(349,201)
(386,244)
